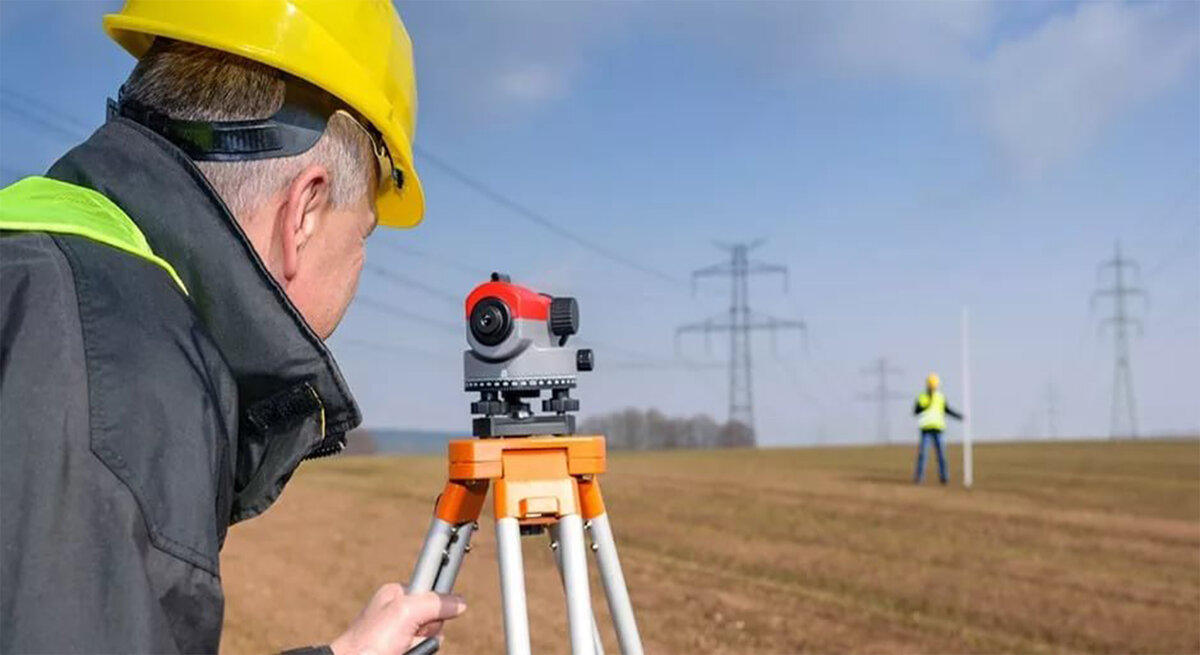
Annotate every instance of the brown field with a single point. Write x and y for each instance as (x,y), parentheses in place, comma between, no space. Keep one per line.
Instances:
(1088,547)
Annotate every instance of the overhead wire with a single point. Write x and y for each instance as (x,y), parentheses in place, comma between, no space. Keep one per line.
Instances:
(377,346)
(540,219)
(446,262)
(63,125)
(400,312)
(67,122)
(428,290)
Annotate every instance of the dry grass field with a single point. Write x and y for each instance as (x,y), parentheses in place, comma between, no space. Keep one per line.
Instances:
(1065,547)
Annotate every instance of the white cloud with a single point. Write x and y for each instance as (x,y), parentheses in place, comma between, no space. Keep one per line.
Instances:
(488,59)
(910,40)
(915,40)
(1044,98)
(1041,97)
(532,83)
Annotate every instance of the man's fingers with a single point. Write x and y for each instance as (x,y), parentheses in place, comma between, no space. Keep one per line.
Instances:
(420,640)
(429,606)
(431,629)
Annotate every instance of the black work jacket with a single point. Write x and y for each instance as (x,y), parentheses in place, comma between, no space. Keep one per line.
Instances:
(137,423)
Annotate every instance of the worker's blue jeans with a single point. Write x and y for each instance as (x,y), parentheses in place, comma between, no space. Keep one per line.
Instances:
(936,437)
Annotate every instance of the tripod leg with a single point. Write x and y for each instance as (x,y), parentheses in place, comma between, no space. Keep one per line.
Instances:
(459,545)
(575,581)
(429,562)
(609,564)
(512,586)
(597,644)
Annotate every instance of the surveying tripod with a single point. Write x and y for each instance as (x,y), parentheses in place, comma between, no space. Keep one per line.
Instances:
(539,483)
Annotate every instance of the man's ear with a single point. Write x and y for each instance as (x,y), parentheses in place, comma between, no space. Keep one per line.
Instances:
(306,201)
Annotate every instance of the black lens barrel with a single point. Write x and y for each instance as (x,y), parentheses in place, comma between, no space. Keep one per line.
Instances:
(491,321)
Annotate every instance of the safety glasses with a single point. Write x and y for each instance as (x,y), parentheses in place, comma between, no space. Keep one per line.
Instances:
(386,170)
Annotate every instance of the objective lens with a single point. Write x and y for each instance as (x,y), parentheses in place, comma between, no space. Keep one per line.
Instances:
(491,322)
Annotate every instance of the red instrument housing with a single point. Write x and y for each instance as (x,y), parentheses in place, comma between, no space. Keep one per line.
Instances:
(522,302)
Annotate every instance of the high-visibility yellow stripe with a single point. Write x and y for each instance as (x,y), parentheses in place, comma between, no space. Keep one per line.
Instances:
(40,204)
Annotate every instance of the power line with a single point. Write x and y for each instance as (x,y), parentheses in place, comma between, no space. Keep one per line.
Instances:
(66,121)
(446,262)
(882,371)
(40,119)
(376,346)
(1123,400)
(658,366)
(52,119)
(739,322)
(387,308)
(540,219)
(426,289)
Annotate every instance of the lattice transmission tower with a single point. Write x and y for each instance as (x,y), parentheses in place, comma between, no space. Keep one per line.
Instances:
(1124,400)
(882,395)
(739,321)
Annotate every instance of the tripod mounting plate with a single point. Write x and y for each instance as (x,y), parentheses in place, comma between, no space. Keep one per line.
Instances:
(506,426)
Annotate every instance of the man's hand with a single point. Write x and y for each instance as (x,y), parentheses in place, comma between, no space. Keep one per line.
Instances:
(394,621)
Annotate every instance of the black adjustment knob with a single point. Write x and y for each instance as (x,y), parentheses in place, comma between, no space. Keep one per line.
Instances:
(584,359)
(560,405)
(489,407)
(564,318)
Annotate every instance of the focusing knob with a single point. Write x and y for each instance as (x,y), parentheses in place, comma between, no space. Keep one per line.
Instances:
(564,318)
(584,359)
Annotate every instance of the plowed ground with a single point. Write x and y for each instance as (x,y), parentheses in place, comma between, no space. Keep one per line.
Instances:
(1068,547)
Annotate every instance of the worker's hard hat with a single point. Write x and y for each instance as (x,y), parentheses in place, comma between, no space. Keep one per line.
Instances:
(358,51)
(933,381)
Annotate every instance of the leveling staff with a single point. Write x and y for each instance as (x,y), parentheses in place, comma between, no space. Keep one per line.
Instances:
(164,293)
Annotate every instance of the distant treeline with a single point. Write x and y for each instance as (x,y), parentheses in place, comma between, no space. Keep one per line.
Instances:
(637,429)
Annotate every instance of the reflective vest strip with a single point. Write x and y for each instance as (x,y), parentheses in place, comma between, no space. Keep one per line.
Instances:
(40,204)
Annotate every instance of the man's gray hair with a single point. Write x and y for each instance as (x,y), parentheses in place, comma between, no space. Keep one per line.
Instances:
(190,82)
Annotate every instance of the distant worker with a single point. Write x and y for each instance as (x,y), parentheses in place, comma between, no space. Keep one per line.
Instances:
(165,292)
(931,410)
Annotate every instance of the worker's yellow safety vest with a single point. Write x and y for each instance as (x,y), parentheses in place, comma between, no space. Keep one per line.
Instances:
(933,411)
(40,204)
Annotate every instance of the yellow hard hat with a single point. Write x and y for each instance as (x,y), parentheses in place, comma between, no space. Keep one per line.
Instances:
(933,381)
(356,50)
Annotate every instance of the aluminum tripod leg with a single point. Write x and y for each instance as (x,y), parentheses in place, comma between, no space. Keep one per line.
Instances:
(429,562)
(580,621)
(597,644)
(512,586)
(459,545)
(614,586)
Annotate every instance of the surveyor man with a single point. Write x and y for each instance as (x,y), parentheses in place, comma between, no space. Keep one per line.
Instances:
(931,411)
(165,291)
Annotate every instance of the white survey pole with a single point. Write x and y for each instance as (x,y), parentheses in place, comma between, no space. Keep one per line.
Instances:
(968,473)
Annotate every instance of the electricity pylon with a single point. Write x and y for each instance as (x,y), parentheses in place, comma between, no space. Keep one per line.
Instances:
(882,395)
(739,322)
(1123,399)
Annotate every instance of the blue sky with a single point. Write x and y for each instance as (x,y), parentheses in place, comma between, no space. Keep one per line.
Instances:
(903,159)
